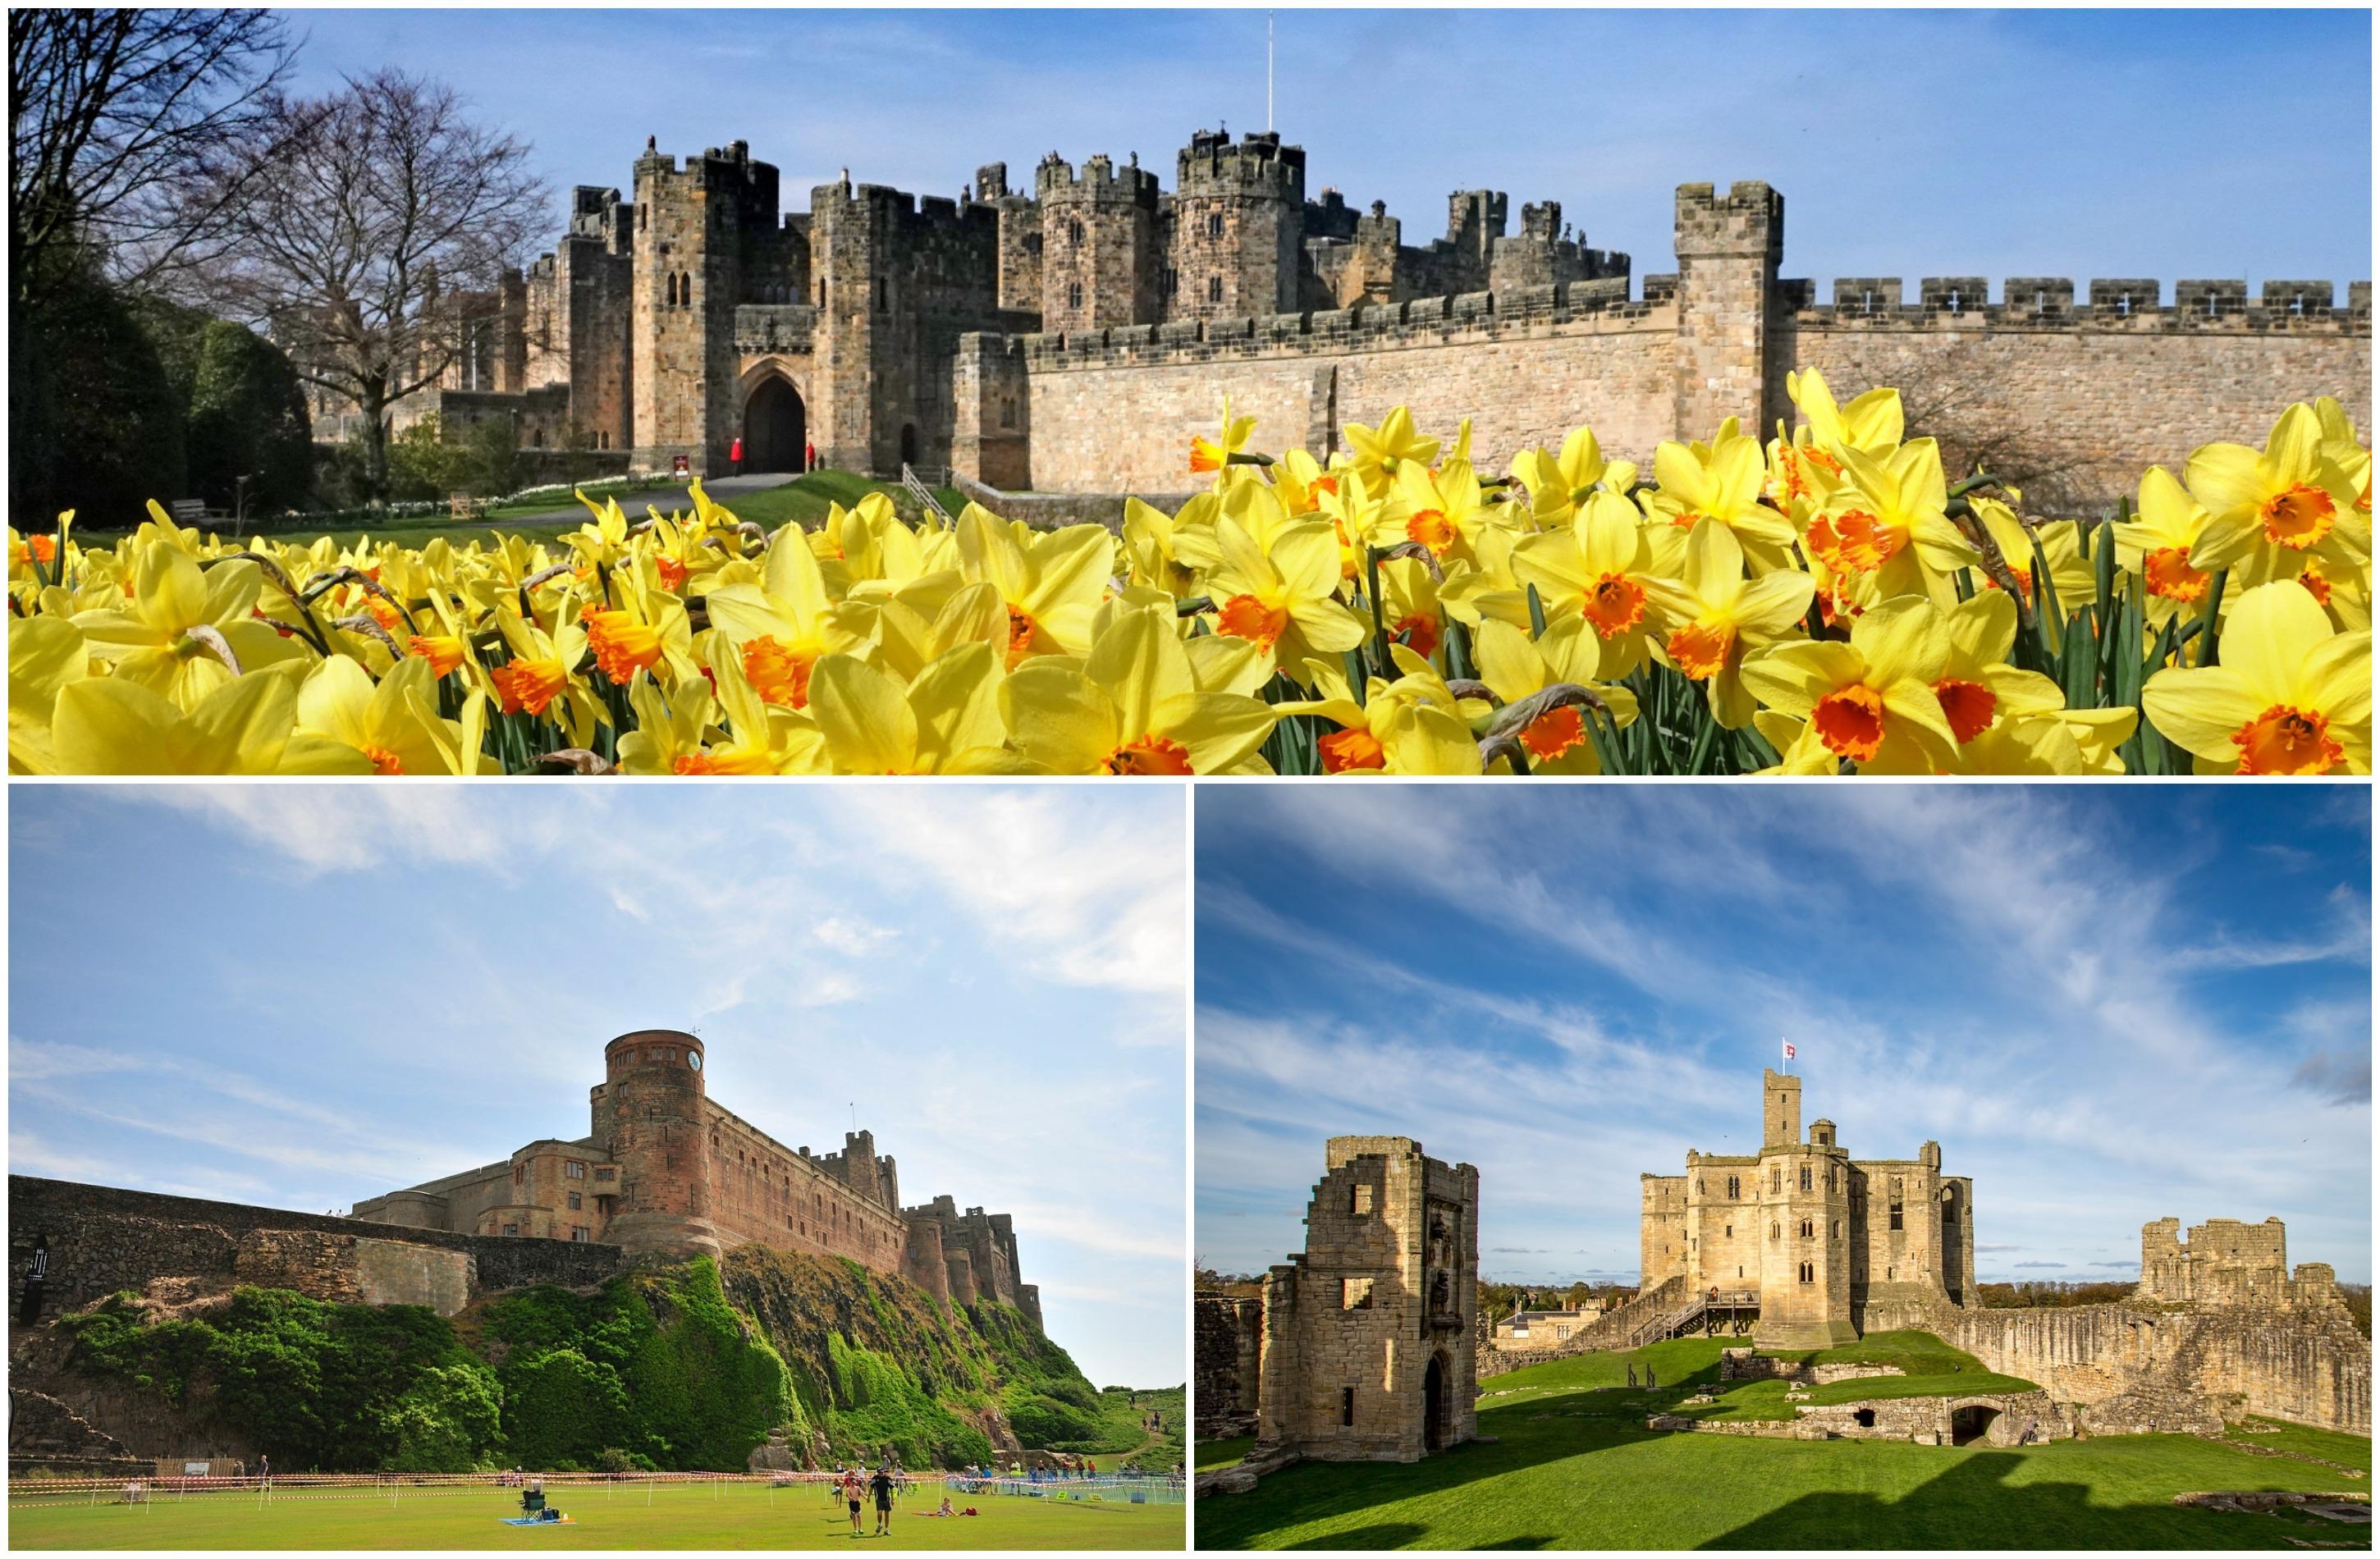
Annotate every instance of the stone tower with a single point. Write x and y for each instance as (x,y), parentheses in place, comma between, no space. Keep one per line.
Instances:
(695,228)
(1099,264)
(1369,1352)
(650,1114)
(1239,227)
(1729,249)
(1804,1188)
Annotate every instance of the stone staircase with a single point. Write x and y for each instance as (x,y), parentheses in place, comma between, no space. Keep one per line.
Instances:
(45,1433)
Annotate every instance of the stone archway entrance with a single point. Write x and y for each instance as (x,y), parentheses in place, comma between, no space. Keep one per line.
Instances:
(775,427)
(1434,1404)
(1971,1423)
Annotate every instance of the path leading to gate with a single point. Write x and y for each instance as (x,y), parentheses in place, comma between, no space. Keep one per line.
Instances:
(665,499)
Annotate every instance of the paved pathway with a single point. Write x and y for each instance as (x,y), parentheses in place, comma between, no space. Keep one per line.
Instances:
(722,488)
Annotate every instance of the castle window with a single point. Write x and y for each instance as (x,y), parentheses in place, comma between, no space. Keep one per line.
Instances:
(605,1174)
(1776,1179)
(1954,301)
(1734,1188)
(1731,1231)
(1839,1228)
(1806,1177)
(1807,1228)
(881,295)
(1894,1206)
(1347,1405)
(1074,233)
(669,291)
(821,295)
(1355,1293)
(1773,1231)
(516,1176)
(572,1170)
(576,1204)
(1214,289)
(1806,1276)
(1830,1177)
(1699,1188)
(1214,224)
(1073,295)
(578,1232)
(511,1229)
(1360,1205)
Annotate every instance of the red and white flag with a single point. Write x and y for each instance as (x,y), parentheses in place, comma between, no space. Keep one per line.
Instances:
(1789,1049)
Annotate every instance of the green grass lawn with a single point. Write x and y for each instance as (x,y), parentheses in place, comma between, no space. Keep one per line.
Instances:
(625,1517)
(1214,1455)
(2348,1450)
(1574,1467)
(805,499)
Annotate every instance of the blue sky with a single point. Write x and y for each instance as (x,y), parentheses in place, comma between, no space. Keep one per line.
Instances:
(2164,144)
(2108,1003)
(300,997)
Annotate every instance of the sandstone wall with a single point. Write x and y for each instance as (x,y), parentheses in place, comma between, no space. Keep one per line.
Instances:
(1117,409)
(1227,1345)
(102,1239)
(2307,1364)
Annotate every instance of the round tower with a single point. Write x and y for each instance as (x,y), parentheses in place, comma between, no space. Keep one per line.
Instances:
(651,1113)
(1100,262)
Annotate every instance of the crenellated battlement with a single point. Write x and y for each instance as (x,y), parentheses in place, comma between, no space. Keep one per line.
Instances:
(1259,164)
(1099,182)
(2051,302)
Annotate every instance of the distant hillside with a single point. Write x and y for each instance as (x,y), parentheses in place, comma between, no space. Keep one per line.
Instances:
(680,1367)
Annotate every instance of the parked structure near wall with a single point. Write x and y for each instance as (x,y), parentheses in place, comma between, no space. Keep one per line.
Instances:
(1072,337)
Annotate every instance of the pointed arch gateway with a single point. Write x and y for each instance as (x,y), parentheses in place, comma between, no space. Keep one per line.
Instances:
(776,425)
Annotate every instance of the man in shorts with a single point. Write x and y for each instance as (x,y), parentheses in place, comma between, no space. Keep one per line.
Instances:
(882,1487)
(851,1497)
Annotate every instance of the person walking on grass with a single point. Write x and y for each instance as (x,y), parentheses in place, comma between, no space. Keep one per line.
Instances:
(851,1497)
(882,1487)
(736,457)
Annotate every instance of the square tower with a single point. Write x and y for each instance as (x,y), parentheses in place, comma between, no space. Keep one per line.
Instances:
(1238,228)
(1369,1346)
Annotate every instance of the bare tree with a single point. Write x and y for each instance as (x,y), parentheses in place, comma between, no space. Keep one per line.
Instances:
(375,242)
(133,134)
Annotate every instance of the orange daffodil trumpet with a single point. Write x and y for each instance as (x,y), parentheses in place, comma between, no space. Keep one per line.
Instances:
(1830,601)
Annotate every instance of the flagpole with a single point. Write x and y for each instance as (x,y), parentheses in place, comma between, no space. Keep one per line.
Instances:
(1269,125)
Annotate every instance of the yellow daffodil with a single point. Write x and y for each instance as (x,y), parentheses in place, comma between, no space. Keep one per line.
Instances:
(1870,702)
(1713,615)
(2156,544)
(106,725)
(1885,533)
(1723,482)
(1215,454)
(2289,693)
(1516,667)
(945,721)
(1380,452)
(2269,511)
(1133,706)
(1284,600)
(1596,569)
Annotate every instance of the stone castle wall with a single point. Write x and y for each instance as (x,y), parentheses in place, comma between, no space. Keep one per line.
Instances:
(1228,1345)
(104,1239)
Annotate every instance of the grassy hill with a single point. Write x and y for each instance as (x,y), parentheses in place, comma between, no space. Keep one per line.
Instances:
(1574,1467)
(682,1366)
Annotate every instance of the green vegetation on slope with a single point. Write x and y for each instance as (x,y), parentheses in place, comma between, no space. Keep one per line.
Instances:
(1574,1467)
(677,1368)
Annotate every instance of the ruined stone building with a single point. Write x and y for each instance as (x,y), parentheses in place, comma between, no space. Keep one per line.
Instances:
(2227,1261)
(1072,336)
(1367,1336)
(666,1170)
(1808,1235)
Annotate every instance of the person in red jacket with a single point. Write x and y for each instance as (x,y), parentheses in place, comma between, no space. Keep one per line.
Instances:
(810,457)
(735,457)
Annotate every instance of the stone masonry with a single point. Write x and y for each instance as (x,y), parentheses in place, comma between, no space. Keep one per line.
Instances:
(1819,1235)
(666,1170)
(1368,1349)
(1073,339)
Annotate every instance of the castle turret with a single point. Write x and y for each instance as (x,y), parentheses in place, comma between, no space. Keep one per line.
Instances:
(1238,228)
(1780,1108)
(1729,248)
(1098,245)
(650,1111)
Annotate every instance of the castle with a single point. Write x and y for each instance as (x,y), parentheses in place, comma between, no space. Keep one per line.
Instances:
(1072,338)
(667,1171)
(1368,1337)
(1805,1234)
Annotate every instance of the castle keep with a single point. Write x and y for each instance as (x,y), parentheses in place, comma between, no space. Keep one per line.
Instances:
(1803,1233)
(667,1171)
(1368,1335)
(1072,336)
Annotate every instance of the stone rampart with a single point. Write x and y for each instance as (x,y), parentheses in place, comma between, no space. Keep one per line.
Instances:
(103,1239)
(1227,1348)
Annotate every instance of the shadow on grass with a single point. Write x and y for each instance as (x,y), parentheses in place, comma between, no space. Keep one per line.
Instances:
(1974,1504)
